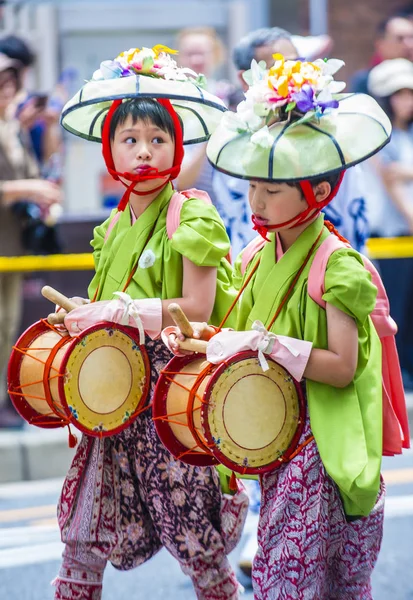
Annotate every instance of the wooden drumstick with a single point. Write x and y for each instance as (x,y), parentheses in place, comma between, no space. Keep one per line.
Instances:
(193,345)
(180,319)
(57,318)
(58,298)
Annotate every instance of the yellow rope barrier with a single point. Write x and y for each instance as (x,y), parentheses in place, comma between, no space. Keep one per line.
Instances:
(401,247)
(52,262)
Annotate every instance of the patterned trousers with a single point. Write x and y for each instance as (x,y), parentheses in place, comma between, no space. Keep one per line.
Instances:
(306,548)
(126,497)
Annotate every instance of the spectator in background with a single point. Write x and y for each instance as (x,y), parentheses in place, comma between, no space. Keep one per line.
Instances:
(37,113)
(391,82)
(394,39)
(18,181)
(201,49)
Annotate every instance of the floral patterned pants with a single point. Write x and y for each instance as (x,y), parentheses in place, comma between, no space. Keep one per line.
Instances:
(306,548)
(126,497)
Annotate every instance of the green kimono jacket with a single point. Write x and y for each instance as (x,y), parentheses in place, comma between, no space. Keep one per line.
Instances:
(346,422)
(201,237)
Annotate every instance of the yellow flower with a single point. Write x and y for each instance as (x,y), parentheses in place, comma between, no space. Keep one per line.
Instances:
(298,79)
(161,48)
(278,66)
(283,86)
(129,54)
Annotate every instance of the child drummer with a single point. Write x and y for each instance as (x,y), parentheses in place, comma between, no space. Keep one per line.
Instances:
(321,518)
(125,496)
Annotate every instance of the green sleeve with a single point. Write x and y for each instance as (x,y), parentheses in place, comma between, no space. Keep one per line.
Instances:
(237,275)
(348,285)
(201,236)
(99,233)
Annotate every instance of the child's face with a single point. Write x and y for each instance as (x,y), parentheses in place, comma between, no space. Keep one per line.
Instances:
(136,147)
(275,203)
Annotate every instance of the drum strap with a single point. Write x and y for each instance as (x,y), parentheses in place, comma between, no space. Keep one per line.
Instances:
(133,271)
(287,294)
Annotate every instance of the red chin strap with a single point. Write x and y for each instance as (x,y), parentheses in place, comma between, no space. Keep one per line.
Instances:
(312,210)
(151,174)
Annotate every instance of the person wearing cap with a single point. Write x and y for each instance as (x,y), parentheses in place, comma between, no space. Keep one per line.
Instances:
(321,516)
(391,82)
(125,496)
(393,39)
(18,182)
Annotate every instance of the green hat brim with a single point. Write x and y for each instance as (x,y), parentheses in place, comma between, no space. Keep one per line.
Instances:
(353,132)
(199,110)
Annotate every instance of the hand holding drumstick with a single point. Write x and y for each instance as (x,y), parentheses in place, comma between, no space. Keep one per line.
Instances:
(193,337)
(67,304)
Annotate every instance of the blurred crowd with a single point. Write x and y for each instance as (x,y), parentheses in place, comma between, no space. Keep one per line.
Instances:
(376,198)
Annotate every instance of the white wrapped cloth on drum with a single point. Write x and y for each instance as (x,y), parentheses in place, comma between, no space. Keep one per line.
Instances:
(145,315)
(291,353)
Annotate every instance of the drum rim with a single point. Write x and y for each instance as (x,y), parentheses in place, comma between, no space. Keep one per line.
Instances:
(24,409)
(133,333)
(224,460)
(163,429)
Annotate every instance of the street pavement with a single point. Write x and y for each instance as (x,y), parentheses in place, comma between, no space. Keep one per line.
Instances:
(30,547)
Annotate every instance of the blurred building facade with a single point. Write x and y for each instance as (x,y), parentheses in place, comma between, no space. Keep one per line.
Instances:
(78,35)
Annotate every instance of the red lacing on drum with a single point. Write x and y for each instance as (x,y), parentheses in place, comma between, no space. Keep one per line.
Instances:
(190,410)
(330,227)
(64,420)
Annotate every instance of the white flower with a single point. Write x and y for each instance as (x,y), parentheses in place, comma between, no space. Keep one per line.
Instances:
(335,87)
(233,122)
(246,112)
(331,66)
(147,259)
(97,75)
(262,138)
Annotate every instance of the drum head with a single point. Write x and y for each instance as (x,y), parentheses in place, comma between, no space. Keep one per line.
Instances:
(42,336)
(106,379)
(253,418)
(172,428)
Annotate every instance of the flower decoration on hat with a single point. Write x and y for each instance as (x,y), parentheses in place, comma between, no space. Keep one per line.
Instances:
(290,90)
(152,62)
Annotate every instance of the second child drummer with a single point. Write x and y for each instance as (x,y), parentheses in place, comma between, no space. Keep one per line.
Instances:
(321,516)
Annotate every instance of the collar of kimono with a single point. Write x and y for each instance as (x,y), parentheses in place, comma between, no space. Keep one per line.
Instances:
(312,210)
(152,174)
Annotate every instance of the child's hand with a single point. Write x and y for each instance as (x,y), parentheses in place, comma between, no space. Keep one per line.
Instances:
(202,331)
(172,335)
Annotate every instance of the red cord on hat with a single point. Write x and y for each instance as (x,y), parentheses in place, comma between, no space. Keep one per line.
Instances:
(312,210)
(171,173)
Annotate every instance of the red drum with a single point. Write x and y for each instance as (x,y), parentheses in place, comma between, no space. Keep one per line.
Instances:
(97,381)
(233,413)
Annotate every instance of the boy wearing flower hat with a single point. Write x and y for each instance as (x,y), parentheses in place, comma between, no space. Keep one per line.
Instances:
(125,496)
(321,515)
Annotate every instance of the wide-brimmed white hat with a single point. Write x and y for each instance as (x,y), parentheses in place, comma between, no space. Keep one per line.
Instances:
(293,126)
(390,76)
(146,73)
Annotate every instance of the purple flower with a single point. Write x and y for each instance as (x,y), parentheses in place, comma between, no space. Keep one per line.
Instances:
(306,102)
(304,99)
(328,104)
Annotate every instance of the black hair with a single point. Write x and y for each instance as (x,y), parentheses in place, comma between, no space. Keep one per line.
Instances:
(147,110)
(405,12)
(244,51)
(14,47)
(382,26)
(331,179)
